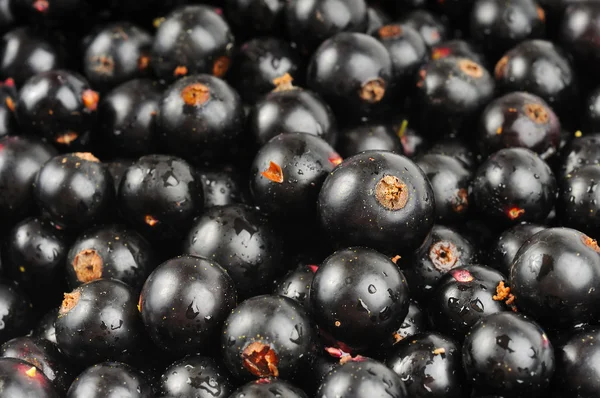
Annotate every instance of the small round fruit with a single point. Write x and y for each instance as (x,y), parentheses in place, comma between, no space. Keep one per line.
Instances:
(210,380)
(16,309)
(414,323)
(507,245)
(509,355)
(358,138)
(583,150)
(184,303)
(578,201)
(222,187)
(21,379)
(110,379)
(267,388)
(577,370)
(378,199)
(432,28)
(359,296)
(296,284)
(267,336)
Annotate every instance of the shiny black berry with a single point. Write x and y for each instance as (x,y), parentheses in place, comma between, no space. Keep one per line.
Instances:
(583,150)
(296,284)
(222,187)
(431,27)
(506,246)
(456,148)
(361,137)
(576,368)
(554,277)
(45,328)
(578,202)
(458,48)
(22,379)
(377,199)
(359,296)
(74,190)
(414,323)
(59,106)
(108,379)
(268,336)
(268,388)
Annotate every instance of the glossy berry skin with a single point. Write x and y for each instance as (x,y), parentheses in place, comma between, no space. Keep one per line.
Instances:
(576,370)
(450,180)
(45,328)
(127,116)
(514,185)
(378,199)
(107,379)
(268,388)
(579,32)
(456,148)
(458,48)
(368,137)
(267,336)
(578,202)
(190,316)
(580,152)
(296,284)
(16,310)
(115,54)
(519,364)
(59,106)
(160,195)
(541,68)
(521,120)
(443,250)
(20,160)
(8,98)
(222,187)
(110,252)
(359,296)
(34,256)
(200,117)
(291,110)
(451,92)
(42,354)
(353,72)
(242,241)
(74,190)
(364,378)
(33,53)
(498,25)
(255,17)
(407,50)
(431,28)
(99,321)
(308,24)
(192,39)
(287,173)
(209,379)
(260,61)
(554,277)
(376,17)
(464,296)
(414,323)
(17,382)
(430,365)
(509,242)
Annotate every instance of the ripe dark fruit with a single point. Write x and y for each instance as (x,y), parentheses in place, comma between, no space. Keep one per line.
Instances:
(450,107)
(349,86)
(430,366)
(289,109)
(583,150)
(359,296)
(267,336)
(192,39)
(431,28)
(200,117)
(457,149)
(414,323)
(287,174)
(268,388)
(554,277)
(443,250)
(457,48)
(222,187)
(110,252)
(296,284)
(99,321)
(543,69)
(109,379)
(127,116)
(160,195)
(190,315)
(362,378)
(521,120)
(208,378)
(495,363)
(499,25)
(450,180)
(258,64)
(20,160)
(378,199)
(16,310)
(514,185)
(59,106)
(115,54)
(74,190)
(579,32)
(241,241)
(42,354)
(465,295)
(367,137)
(508,244)
(308,24)
(576,369)
(22,379)
(578,200)
(45,328)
